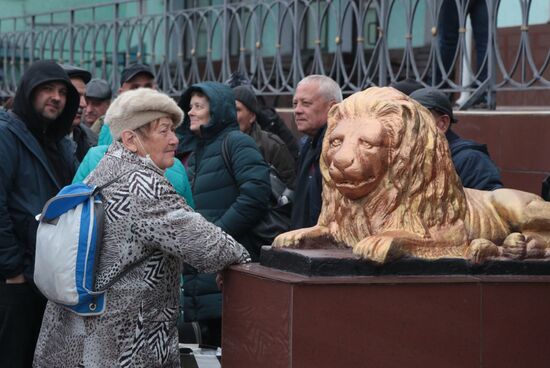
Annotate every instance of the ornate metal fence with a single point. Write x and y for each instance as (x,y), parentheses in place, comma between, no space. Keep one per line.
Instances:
(359,43)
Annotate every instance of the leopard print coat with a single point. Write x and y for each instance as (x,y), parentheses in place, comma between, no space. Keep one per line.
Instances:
(147,226)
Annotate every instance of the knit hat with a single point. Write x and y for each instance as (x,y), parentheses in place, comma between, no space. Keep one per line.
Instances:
(246,96)
(136,108)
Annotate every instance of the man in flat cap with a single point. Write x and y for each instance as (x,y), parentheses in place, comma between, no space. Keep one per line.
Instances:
(471,159)
(98,99)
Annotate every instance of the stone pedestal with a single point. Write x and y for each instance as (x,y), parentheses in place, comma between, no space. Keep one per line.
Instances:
(274,318)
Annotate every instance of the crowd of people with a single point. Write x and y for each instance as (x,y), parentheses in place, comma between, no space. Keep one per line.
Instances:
(176,211)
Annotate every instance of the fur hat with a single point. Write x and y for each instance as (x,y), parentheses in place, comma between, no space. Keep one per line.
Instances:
(136,108)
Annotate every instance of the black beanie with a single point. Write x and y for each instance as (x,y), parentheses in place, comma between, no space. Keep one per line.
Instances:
(246,96)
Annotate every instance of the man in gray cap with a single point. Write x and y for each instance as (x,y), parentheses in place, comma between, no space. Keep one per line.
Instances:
(98,99)
(471,159)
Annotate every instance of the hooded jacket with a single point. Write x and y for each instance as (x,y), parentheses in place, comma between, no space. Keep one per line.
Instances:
(37,161)
(473,163)
(234,204)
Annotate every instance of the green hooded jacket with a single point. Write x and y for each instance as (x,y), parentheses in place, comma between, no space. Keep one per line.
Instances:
(234,204)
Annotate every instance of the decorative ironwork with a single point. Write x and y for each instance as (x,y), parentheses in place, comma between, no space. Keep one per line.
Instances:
(359,43)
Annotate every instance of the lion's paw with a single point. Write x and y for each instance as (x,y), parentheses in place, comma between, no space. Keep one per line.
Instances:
(293,239)
(379,249)
(514,246)
(481,249)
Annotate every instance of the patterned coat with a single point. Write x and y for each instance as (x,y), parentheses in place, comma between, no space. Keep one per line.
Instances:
(149,226)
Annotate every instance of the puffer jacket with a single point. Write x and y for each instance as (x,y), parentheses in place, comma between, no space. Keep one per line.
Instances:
(234,204)
(149,231)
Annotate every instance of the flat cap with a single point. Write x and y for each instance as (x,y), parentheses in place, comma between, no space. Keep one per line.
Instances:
(99,89)
(76,72)
(132,70)
(432,98)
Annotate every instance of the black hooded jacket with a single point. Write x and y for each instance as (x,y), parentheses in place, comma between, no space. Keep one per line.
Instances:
(36,163)
(39,73)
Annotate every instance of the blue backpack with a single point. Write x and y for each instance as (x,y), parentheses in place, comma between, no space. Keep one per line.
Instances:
(68,244)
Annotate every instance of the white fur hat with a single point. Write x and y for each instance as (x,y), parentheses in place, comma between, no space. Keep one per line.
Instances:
(136,108)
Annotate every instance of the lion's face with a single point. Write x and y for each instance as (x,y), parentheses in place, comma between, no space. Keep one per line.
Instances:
(357,156)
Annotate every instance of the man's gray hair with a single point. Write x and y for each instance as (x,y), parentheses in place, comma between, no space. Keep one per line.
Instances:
(328,88)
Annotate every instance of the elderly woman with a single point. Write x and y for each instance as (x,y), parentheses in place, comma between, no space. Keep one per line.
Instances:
(149,232)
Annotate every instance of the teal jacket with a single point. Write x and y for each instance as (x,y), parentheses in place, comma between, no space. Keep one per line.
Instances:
(176,174)
(235,204)
(105,137)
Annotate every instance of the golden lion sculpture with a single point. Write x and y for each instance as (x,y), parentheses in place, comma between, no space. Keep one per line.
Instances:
(390,190)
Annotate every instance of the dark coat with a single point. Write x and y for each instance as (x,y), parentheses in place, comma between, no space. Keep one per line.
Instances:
(275,153)
(36,163)
(307,196)
(84,139)
(271,122)
(234,208)
(473,163)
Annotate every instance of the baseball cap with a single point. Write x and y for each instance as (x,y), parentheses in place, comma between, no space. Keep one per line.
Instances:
(407,86)
(431,98)
(132,70)
(98,88)
(76,72)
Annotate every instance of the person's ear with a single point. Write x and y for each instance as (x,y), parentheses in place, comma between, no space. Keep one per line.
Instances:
(129,140)
(252,118)
(443,123)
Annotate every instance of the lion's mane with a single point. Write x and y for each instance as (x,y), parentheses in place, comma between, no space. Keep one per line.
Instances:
(420,190)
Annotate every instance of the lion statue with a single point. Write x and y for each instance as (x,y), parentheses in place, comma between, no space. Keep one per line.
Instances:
(390,190)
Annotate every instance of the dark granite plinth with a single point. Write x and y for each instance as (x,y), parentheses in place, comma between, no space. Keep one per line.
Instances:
(342,262)
(278,319)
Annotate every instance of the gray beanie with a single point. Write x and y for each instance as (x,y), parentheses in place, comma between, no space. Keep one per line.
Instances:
(136,108)
(246,96)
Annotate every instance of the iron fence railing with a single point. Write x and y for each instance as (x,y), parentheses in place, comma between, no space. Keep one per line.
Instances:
(359,43)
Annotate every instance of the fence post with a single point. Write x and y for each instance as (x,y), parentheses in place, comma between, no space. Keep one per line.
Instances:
(225,34)
(71,39)
(492,7)
(382,67)
(296,59)
(116,35)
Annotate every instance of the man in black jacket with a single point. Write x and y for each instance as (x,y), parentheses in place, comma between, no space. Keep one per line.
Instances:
(314,96)
(83,137)
(471,159)
(37,161)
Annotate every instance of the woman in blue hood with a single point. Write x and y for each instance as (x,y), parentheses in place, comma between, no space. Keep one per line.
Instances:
(233,202)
